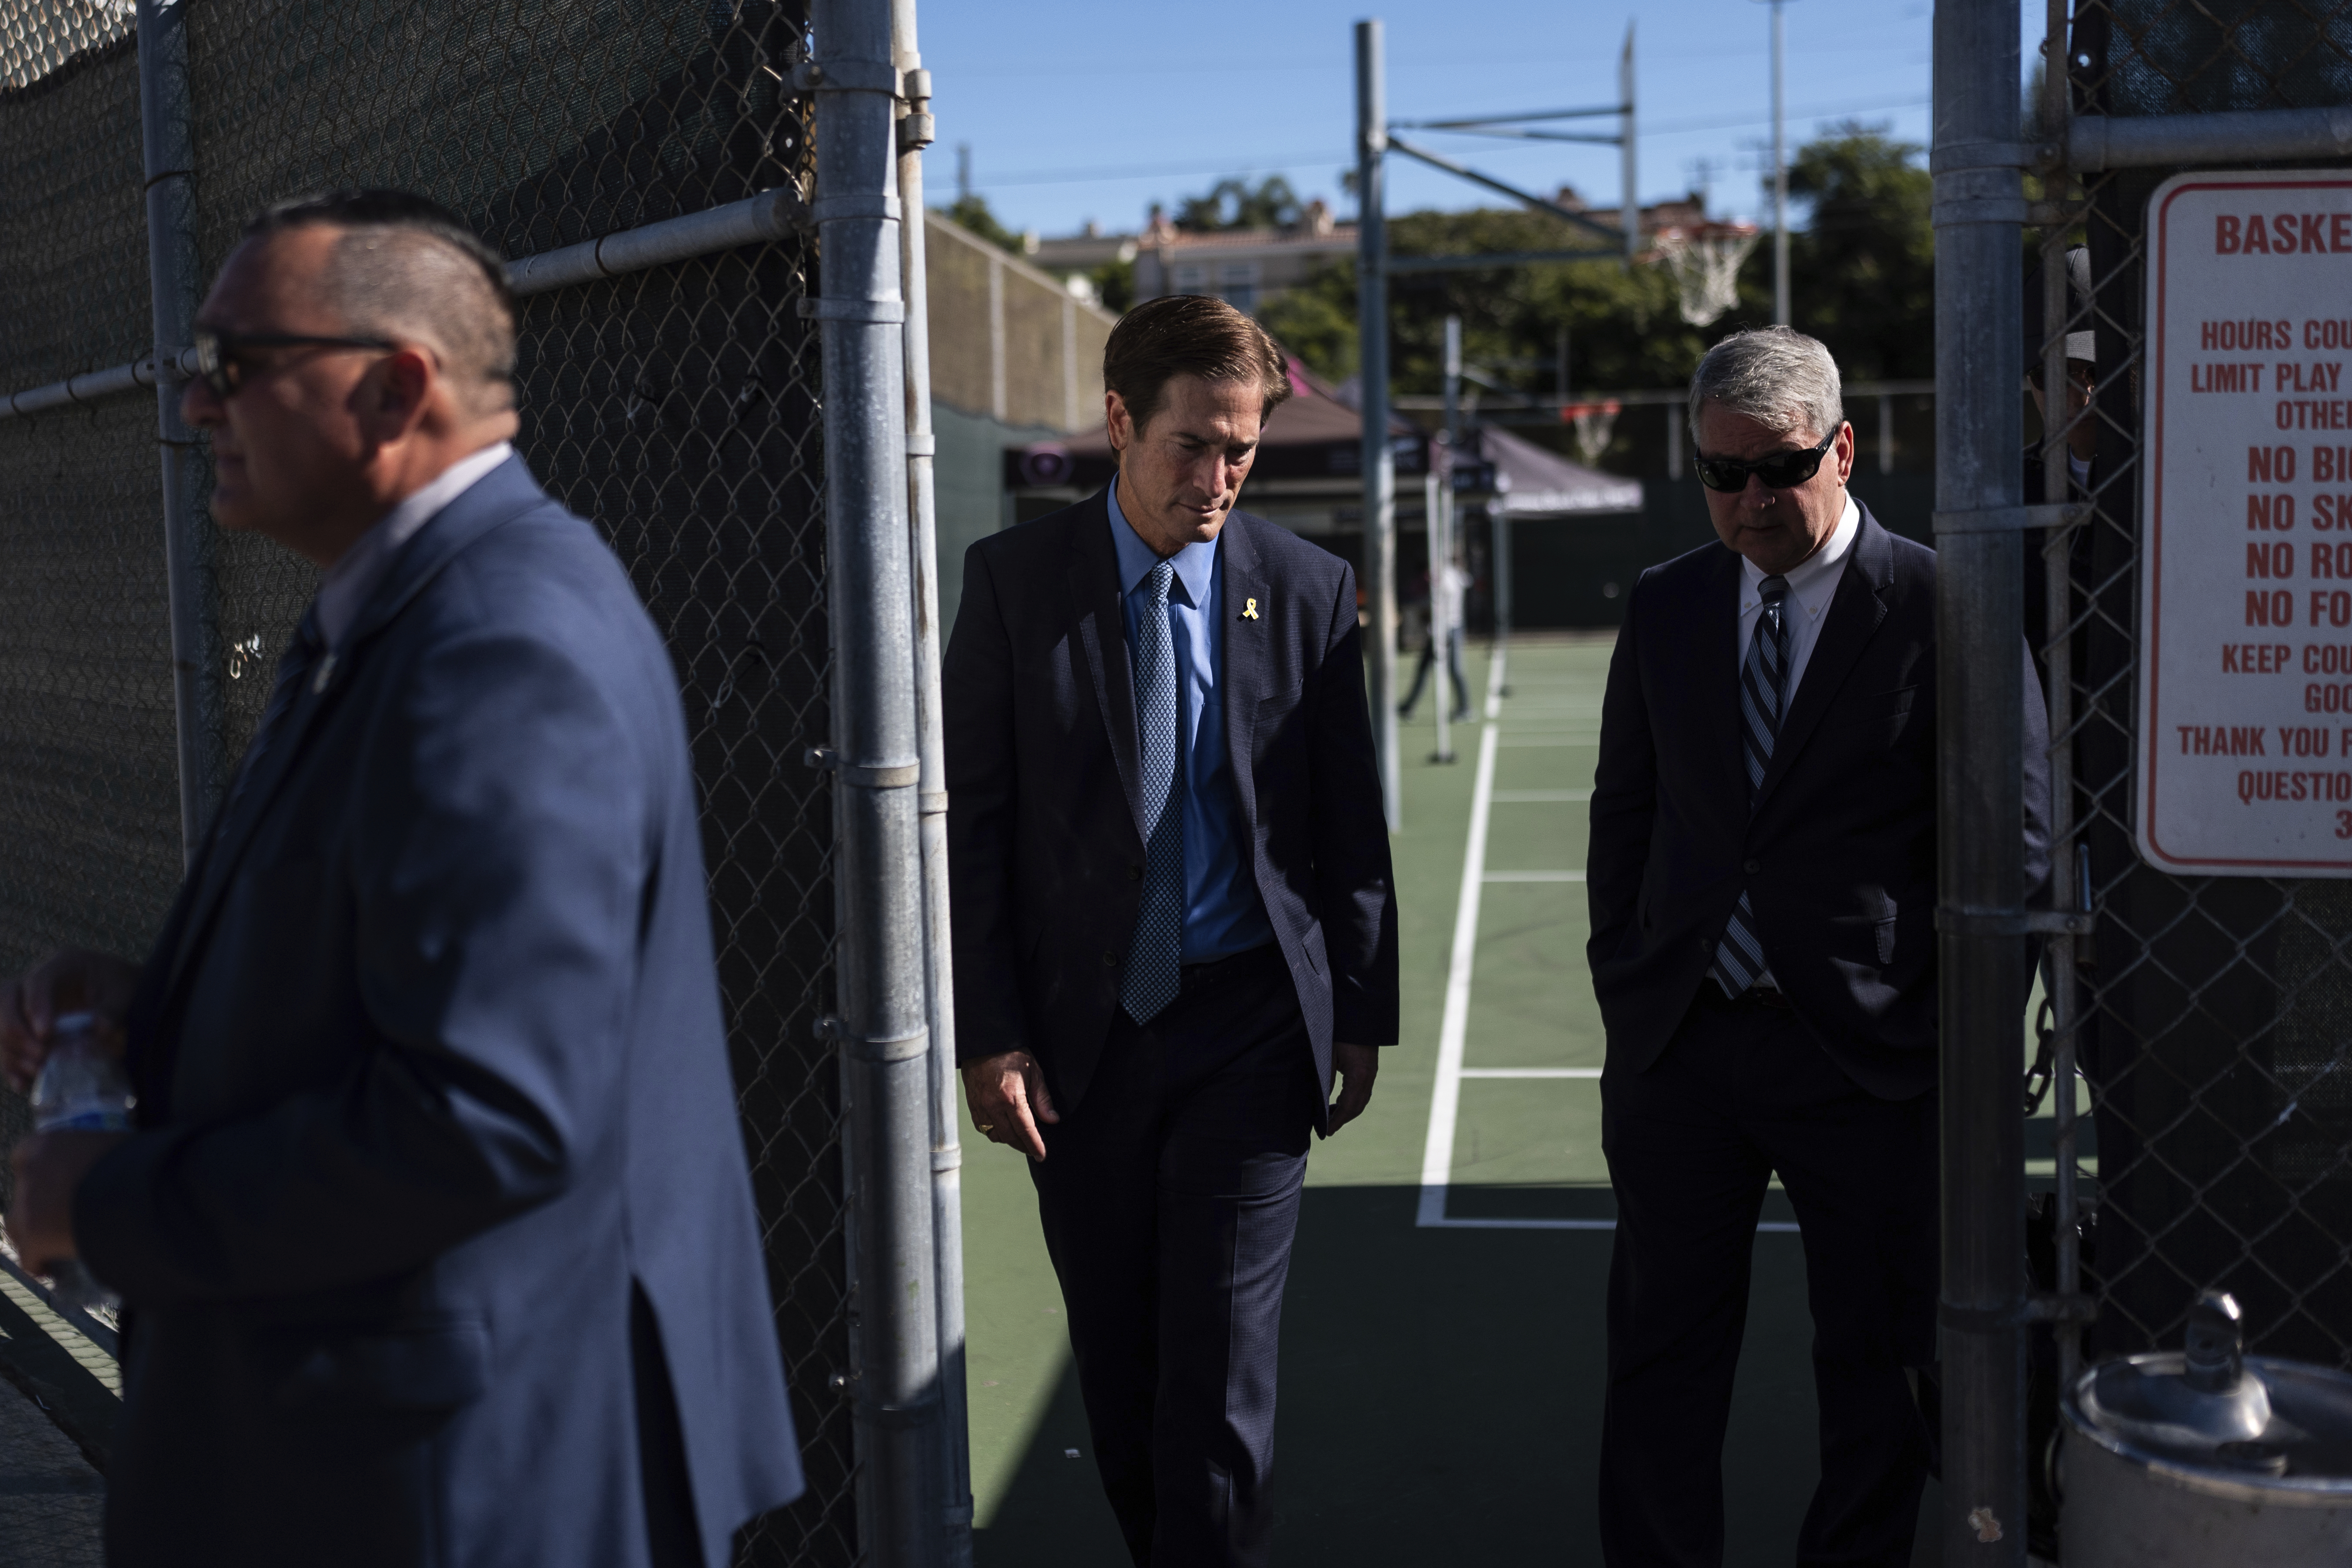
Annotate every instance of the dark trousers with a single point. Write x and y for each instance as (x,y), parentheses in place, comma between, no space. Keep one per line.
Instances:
(1169,1196)
(1453,672)
(1743,1091)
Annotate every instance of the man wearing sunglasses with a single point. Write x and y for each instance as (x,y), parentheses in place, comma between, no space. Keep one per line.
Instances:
(435,1231)
(1763,886)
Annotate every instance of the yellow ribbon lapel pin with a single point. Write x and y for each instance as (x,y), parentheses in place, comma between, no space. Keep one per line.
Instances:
(1249,610)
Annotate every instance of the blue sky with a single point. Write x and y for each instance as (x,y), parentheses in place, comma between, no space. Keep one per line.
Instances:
(1076,112)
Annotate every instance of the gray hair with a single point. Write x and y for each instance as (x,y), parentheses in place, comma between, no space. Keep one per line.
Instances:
(1777,376)
(414,286)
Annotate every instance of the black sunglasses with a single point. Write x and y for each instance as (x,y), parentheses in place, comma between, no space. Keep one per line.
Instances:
(1781,470)
(220,366)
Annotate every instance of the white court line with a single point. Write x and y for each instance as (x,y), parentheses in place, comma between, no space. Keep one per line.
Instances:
(1540,797)
(1445,1094)
(1531,1072)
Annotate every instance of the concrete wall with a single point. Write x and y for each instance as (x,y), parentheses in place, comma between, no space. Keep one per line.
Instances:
(1015,358)
(1008,341)
(970,490)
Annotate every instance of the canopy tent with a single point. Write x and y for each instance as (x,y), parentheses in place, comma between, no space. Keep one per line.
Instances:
(1530,482)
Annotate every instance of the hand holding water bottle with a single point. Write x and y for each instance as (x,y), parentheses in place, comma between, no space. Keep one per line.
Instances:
(82,1089)
(61,1040)
(75,980)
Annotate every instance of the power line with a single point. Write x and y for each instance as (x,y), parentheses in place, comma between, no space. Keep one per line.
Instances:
(1259,163)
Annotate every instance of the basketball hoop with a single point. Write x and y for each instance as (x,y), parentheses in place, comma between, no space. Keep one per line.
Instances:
(1594,423)
(1706,265)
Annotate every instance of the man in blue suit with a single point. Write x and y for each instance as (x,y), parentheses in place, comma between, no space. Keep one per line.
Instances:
(1173,918)
(1763,884)
(435,1232)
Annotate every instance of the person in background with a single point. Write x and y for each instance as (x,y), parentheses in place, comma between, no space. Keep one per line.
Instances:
(1446,596)
(2086,475)
(1174,923)
(435,1233)
(1762,886)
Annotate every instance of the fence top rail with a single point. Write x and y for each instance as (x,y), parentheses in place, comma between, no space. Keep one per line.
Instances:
(772,215)
(2099,142)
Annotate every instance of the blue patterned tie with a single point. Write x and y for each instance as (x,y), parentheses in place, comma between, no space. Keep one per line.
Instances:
(302,651)
(1156,953)
(1763,703)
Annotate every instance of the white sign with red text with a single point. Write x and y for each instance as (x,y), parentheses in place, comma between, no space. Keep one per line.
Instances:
(2245,691)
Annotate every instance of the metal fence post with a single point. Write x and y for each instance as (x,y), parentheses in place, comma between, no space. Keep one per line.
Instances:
(2058,659)
(1980,207)
(165,118)
(915,133)
(1379,459)
(883,1030)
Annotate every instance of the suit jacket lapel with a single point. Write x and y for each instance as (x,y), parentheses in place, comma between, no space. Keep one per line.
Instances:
(1093,581)
(1717,678)
(1242,682)
(1851,621)
(252,800)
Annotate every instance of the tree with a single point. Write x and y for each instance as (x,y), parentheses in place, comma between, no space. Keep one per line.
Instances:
(971,213)
(1624,328)
(1235,204)
(1114,283)
(1862,273)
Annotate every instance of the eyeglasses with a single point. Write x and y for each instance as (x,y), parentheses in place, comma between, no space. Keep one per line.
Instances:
(1781,470)
(220,355)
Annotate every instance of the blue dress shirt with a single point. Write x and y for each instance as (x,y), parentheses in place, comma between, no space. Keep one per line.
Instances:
(1222,913)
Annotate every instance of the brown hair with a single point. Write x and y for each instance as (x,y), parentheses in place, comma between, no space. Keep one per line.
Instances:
(1188,334)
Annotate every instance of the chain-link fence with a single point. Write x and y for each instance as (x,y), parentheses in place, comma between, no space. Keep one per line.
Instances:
(676,408)
(2213,1016)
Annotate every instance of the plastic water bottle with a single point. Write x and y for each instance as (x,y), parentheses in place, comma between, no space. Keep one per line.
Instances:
(82,1089)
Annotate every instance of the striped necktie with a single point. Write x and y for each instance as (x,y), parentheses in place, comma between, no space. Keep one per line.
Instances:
(1763,703)
(1155,956)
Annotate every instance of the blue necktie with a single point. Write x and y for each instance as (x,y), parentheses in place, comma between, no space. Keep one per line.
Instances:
(1156,952)
(302,651)
(1763,703)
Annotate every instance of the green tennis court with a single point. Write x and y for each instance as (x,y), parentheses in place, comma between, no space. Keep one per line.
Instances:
(1443,1342)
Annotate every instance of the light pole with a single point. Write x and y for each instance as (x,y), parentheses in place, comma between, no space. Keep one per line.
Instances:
(1628,159)
(1379,456)
(1779,167)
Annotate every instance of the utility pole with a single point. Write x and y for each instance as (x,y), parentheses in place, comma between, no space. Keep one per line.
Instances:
(1629,164)
(1379,459)
(1779,166)
(963,171)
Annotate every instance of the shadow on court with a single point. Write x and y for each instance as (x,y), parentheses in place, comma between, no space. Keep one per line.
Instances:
(1441,1399)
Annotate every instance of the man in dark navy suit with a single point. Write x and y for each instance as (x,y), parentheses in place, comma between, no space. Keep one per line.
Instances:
(1763,884)
(1173,921)
(435,1232)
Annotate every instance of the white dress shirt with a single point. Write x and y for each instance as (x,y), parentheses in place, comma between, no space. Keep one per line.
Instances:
(1812,583)
(343,589)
